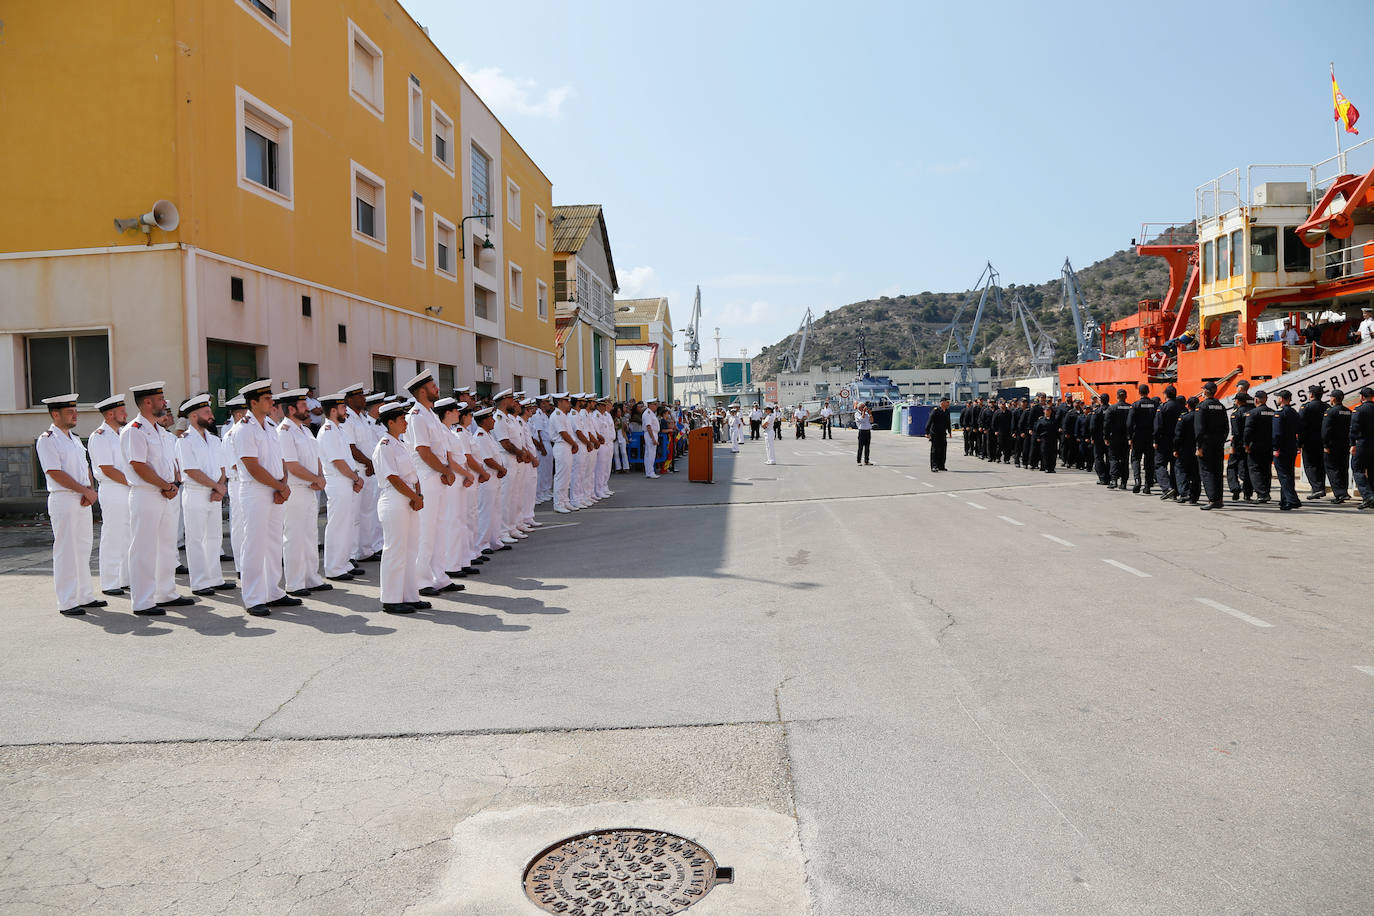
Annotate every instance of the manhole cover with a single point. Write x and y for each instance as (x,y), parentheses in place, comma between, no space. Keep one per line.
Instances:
(622,872)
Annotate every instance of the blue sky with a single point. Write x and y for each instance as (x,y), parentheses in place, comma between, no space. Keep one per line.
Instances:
(785,155)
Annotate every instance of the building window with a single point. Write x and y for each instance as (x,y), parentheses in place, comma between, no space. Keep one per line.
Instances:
(1297,257)
(1264,249)
(622,333)
(369,207)
(444,240)
(541,227)
(365,70)
(1237,252)
(383,373)
(481,303)
(417,232)
(446,383)
(305,306)
(481,181)
(235,290)
(417,114)
(513,203)
(343,333)
(309,375)
(517,287)
(443,138)
(62,364)
(541,298)
(263,150)
(561,292)
(1208,259)
(1223,257)
(274,14)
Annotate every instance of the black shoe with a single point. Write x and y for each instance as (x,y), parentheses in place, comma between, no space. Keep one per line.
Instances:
(225,558)
(1367,504)
(398,608)
(1317,494)
(322,587)
(203,592)
(481,559)
(1135,489)
(375,558)
(182,570)
(504,547)
(1283,508)
(1263,500)
(420,605)
(98,603)
(1235,496)
(259,610)
(487,551)
(1111,486)
(1169,493)
(225,586)
(454,573)
(153,611)
(452,587)
(72,612)
(429,591)
(1339,499)
(471,571)
(300,593)
(346,577)
(178,601)
(285,601)
(1192,502)
(112,592)
(1147,492)
(868,462)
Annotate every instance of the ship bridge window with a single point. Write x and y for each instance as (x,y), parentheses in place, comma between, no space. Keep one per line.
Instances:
(1223,257)
(1264,249)
(1209,251)
(1237,252)
(1297,257)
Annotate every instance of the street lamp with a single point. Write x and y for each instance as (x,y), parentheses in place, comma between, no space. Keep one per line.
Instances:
(486,244)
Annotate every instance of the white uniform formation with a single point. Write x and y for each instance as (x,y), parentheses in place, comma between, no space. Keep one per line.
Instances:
(432,487)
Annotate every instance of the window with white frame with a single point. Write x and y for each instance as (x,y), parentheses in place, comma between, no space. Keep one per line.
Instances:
(417,231)
(445,237)
(369,207)
(517,287)
(443,138)
(541,227)
(541,298)
(365,70)
(416,113)
(264,150)
(58,364)
(275,14)
(513,203)
(481,180)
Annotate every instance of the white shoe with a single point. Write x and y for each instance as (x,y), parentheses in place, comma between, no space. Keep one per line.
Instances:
(562,511)
(610,492)
(507,540)
(536,524)
(520,535)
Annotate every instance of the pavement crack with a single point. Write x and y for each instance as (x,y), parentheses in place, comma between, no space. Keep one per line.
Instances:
(299,690)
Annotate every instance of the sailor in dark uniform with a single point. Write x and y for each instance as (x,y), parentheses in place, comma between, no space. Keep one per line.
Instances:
(1210,426)
(1259,446)
(1187,482)
(1047,434)
(1313,458)
(937,431)
(1336,446)
(1140,430)
(1118,441)
(1362,447)
(1166,422)
(1002,429)
(1098,425)
(967,422)
(1236,469)
(1287,442)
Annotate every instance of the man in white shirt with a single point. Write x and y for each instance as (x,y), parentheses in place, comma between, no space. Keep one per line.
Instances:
(152,506)
(543,444)
(369,524)
(356,429)
(489,497)
(649,420)
(605,431)
(238,409)
(264,492)
(70,497)
(1288,336)
(769,453)
(826,414)
(1366,331)
(343,489)
(463,461)
(305,476)
(201,457)
(564,446)
(505,436)
(799,416)
(399,508)
(755,418)
(734,427)
(427,440)
(112,473)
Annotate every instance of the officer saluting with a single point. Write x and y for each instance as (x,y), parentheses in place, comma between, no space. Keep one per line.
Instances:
(70,498)
(152,506)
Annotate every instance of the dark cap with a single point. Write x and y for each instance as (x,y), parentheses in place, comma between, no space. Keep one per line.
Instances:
(1314,389)
(1367,392)
(1210,387)
(1337,394)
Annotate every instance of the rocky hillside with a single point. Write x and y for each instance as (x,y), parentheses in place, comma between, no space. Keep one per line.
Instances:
(910,331)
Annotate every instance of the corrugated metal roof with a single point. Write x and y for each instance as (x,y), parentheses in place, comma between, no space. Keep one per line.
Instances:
(641,358)
(572,224)
(641,310)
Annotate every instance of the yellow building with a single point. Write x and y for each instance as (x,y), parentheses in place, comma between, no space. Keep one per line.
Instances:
(644,340)
(584,293)
(324,162)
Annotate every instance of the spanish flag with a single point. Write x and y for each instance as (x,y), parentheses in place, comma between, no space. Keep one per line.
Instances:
(1346,113)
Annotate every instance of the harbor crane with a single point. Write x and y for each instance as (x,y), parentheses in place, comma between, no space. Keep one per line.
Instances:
(1038,340)
(796,351)
(959,349)
(1087,333)
(693,339)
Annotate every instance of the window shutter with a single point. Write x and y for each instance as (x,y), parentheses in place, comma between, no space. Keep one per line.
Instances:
(362,69)
(366,192)
(259,125)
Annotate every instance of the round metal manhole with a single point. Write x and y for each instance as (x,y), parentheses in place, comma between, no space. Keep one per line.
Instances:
(623,872)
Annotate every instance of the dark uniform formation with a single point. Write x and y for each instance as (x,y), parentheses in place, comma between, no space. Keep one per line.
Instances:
(1188,450)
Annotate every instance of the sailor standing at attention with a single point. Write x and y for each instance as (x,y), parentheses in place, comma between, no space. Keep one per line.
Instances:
(528,412)
(265,492)
(564,447)
(305,476)
(427,440)
(489,539)
(238,409)
(733,428)
(937,431)
(70,497)
(360,446)
(605,431)
(650,422)
(201,457)
(825,415)
(463,462)
(152,507)
(369,526)
(112,473)
(399,507)
(770,457)
(343,489)
(452,533)
(543,444)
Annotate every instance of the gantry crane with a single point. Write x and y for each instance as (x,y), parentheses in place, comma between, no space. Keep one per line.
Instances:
(1087,332)
(792,361)
(959,349)
(1038,340)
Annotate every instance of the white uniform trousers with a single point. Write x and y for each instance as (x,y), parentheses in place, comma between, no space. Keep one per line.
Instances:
(429,554)
(488,501)
(300,548)
(589,476)
(400,536)
(368,524)
(341,525)
(152,547)
(622,456)
(562,474)
(456,529)
(543,488)
(204,536)
(602,477)
(506,510)
(770,456)
(577,490)
(72,534)
(236,522)
(529,493)
(114,536)
(264,541)
(650,453)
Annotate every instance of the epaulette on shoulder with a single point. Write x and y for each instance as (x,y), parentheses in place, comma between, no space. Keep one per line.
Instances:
(46,434)
(138,424)
(100,431)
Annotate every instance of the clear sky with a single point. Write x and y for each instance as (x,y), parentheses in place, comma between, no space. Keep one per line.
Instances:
(785,155)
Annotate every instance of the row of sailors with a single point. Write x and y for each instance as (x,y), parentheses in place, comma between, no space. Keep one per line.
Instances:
(1183,446)
(433,487)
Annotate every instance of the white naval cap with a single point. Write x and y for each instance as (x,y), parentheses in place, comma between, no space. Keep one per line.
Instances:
(484,412)
(419,379)
(332,400)
(464,390)
(190,404)
(355,388)
(147,388)
(255,389)
(112,401)
(60,401)
(236,402)
(503,393)
(444,404)
(527,402)
(546,397)
(375,397)
(560,396)
(295,394)
(390,411)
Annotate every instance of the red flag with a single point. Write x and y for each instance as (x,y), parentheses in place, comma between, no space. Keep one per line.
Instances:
(1346,113)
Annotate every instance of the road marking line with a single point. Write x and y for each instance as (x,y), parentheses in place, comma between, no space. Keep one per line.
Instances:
(1056,540)
(1367,669)
(976,506)
(925,484)
(564,525)
(908,477)
(1130,569)
(1011,521)
(1241,615)
(953,495)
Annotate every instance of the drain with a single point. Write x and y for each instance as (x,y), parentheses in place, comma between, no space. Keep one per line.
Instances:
(625,872)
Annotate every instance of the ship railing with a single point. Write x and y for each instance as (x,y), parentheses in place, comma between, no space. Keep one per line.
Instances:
(1220,195)
(1356,160)
(1167,233)
(1354,260)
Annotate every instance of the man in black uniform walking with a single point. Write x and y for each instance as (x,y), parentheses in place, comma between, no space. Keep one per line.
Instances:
(1259,446)
(1118,443)
(1188,485)
(967,422)
(1313,458)
(1098,428)
(937,431)
(1166,422)
(1287,442)
(1210,426)
(1336,446)
(1362,447)
(1047,434)
(1236,476)
(1140,429)
(1002,424)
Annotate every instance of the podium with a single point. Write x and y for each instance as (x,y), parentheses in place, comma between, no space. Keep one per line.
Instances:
(701,455)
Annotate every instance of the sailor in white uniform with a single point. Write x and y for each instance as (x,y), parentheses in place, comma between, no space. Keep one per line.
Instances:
(200,454)
(427,439)
(264,493)
(768,429)
(112,473)
(153,507)
(736,434)
(528,411)
(649,420)
(399,507)
(344,486)
(369,525)
(237,411)
(509,456)
(543,444)
(365,533)
(305,476)
(70,497)
(452,533)
(463,458)
(565,446)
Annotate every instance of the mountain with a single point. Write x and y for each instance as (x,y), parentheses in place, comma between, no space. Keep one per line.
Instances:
(910,331)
